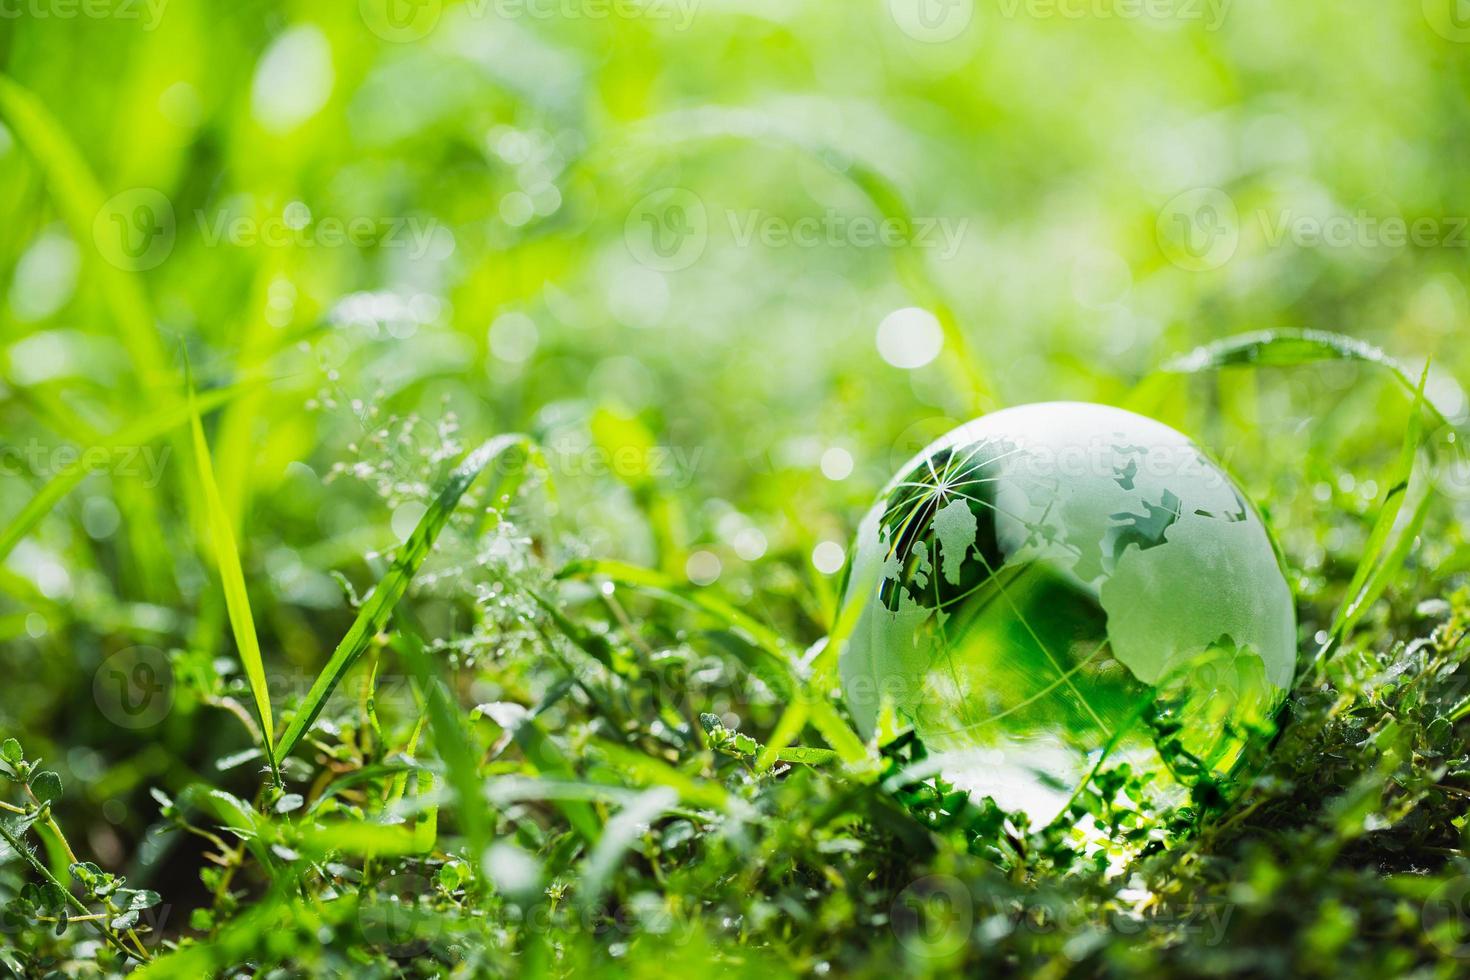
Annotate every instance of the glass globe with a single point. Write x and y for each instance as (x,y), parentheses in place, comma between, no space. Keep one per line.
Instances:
(1060,587)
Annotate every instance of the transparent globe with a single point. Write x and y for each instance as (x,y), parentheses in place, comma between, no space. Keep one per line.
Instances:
(1058,587)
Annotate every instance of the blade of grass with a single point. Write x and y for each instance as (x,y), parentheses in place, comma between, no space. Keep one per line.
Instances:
(649,580)
(821,713)
(1381,560)
(549,760)
(375,611)
(232,580)
(646,771)
(79,197)
(792,721)
(451,737)
(1289,348)
(620,837)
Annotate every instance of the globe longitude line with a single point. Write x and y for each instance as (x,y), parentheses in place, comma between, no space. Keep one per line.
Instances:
(926,504)
(1032,698)
(1061,673)
(948,650)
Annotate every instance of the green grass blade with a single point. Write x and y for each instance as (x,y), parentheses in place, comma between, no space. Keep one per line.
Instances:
(79,197)
(641,769)
(547,758)
(778,655)
(793,720)
(650,580)
(1381,560)
(1289,348)
(451,737)
(232,580)
(375,612)
(623,832)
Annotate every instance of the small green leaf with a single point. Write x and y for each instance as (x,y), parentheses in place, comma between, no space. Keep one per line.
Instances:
(47,786)
(289,802)
(451,876)
(11,751)
(85,871)
(142,898)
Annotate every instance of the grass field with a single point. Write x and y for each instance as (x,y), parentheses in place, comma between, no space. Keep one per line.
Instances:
(432,436)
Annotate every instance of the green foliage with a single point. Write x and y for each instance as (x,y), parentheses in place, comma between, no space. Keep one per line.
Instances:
(565,703)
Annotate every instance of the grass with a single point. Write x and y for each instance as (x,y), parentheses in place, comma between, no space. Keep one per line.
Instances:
(358,682)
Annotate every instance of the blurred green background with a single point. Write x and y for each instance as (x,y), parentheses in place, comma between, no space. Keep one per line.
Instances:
(731,262)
